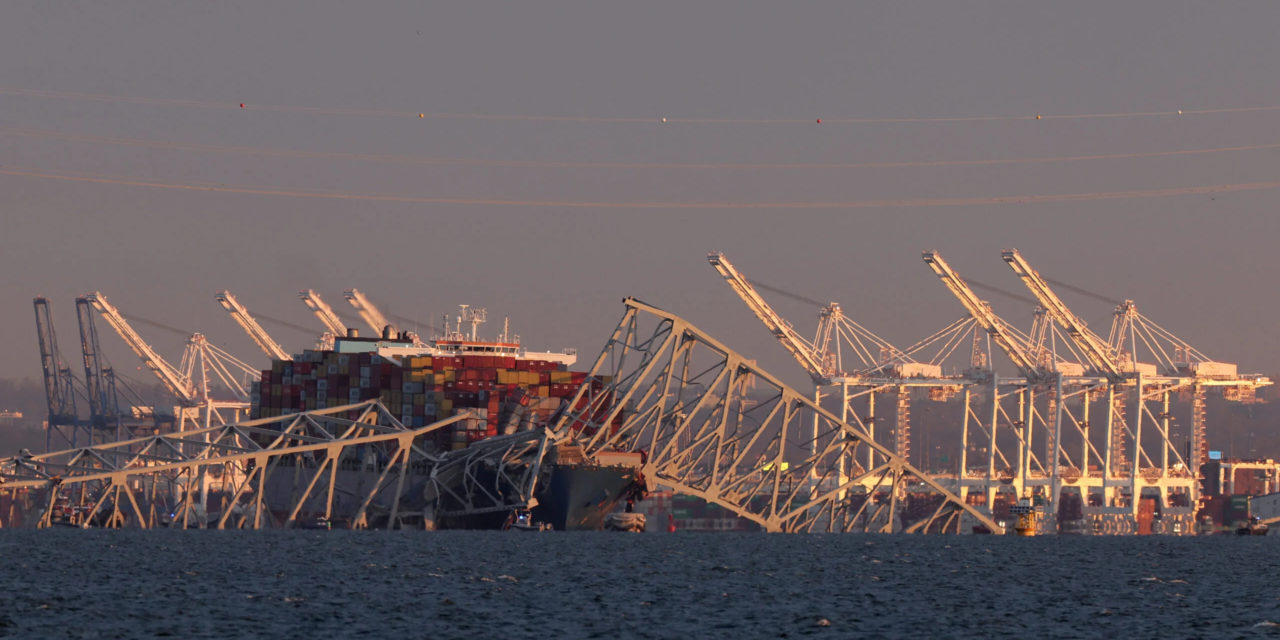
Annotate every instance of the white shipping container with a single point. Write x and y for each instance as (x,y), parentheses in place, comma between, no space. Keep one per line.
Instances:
(1265,507)
(1215,369)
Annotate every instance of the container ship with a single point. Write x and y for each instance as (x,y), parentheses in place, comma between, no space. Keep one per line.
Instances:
(504,387)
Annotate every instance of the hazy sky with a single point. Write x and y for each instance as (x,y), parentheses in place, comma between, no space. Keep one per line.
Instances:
(929,124)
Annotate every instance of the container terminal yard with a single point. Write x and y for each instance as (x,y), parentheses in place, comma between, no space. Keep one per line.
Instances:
(1051,430)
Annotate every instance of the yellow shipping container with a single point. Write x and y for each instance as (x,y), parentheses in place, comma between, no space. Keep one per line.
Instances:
(542,391)
(419,399)
(560,377)
(446,406)
(450,375)
(417,375)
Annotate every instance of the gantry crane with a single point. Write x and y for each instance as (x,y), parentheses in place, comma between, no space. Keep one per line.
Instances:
(1004,335)
(803,351)
(324,312)
(1025,353)
(174,382)
(370,313)
(259,335)
(1096,351)
(203,364)
(883,366)
(99,381)
(1174,364)
(59,383)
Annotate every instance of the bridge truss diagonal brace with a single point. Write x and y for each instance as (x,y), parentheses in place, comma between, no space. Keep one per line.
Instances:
(163,480)
(772,455)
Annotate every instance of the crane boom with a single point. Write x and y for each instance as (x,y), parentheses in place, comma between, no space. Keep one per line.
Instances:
(324,312)
(369,313)
(58,388)
(177,384)
(1091,345)
(799,349)
(981,313)
(251,326)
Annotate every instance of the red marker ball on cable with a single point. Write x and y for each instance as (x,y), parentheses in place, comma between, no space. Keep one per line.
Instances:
(241,105)
(819,120)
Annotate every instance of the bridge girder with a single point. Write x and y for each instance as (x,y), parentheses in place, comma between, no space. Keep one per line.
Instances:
(772,456)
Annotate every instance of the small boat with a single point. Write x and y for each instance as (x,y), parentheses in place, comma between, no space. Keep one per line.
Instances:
(1028,517)
(320,523)
(523,521)
(625,521)
(1255,527)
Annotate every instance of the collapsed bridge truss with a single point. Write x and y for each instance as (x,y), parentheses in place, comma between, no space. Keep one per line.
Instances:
(708,422)
(352,466)
(770,455)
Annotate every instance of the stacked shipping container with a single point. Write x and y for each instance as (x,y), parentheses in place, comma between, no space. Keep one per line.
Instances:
(505,393)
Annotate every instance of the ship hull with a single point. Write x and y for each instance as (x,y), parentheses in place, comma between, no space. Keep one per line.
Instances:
(573,497)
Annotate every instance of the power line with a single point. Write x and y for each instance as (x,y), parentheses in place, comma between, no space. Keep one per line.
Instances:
(552,164)
(658,119)
(504,202)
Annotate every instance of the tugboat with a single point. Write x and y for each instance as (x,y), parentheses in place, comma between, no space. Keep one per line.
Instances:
(1028,517)
(1255,527)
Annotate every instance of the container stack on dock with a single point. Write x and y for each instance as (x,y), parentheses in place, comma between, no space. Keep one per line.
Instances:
(505,394)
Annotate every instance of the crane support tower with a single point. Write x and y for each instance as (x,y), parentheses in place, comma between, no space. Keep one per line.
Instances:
(59,383)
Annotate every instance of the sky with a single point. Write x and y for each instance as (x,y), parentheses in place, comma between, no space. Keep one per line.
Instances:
(1126,148)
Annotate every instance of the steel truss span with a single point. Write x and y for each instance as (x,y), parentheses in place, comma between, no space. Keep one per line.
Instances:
(354,466)
(713,424)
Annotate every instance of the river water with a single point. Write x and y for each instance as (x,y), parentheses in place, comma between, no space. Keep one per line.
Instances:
(462,584)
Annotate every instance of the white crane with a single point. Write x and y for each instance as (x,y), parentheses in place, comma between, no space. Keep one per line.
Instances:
(203,366)
(802,350)
(1009,339)
(1097,352)
(324,312)
(251,326)
(370,313)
